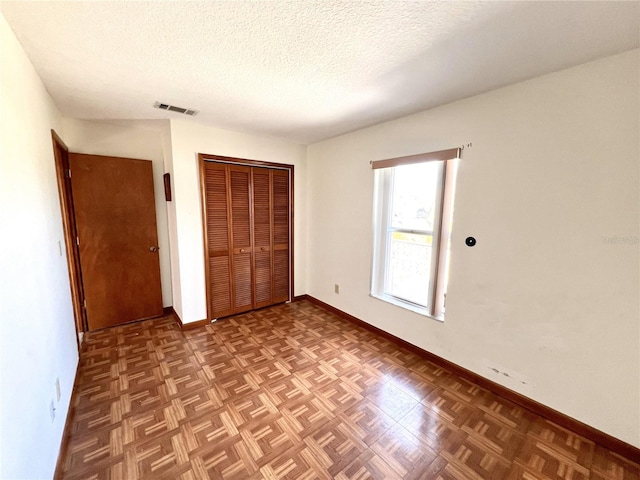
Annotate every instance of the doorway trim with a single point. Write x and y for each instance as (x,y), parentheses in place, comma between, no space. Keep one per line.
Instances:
(61,158)
(204,157)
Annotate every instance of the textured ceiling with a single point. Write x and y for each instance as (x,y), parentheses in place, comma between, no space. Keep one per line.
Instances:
(303,70)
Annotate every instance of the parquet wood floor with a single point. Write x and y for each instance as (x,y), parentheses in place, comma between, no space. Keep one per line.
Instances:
(294,392)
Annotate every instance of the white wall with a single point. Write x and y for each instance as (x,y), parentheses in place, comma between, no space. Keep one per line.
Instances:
(37,333)
(189,138)
(130,139)
(550,189)
(176,289)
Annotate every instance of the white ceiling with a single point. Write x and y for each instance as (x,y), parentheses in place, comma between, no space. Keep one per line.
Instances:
(303,71)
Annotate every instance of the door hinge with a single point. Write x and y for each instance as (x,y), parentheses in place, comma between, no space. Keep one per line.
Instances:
(78,241)
(84,304)
(67,172)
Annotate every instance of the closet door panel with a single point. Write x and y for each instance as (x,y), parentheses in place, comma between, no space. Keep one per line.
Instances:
(281,235)
(243,297)
(281,275)
(261,207)
(263,279)
(247,222)
(239,179)
(220,286)
(240,210)
(261,184)
(218,239)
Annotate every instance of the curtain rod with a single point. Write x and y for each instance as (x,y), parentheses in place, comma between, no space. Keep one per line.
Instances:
(418,158)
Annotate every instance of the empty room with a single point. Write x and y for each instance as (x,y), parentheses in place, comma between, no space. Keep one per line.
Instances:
(320,240)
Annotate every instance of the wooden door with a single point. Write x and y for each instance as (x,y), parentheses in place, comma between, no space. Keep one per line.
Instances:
(281,235)
(247,233)
(262,236)
(117,235)
(241,238)
(218,234)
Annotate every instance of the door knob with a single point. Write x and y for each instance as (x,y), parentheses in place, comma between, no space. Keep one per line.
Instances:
(153,248)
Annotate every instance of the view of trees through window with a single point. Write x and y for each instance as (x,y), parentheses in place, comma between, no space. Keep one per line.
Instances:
(410,231)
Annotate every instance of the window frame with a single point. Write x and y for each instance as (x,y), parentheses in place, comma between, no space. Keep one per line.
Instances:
(440,235)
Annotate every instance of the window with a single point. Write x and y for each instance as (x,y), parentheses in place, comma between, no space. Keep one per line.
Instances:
(413,198)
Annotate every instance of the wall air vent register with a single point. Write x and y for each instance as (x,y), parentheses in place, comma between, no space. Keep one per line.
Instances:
(173,108)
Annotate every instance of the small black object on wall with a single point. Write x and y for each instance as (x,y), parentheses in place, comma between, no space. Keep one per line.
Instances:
(167,187)
(470,241)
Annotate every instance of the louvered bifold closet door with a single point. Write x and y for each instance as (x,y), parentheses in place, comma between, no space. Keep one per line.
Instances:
(218,239)
(241,237)
(281,235)
(262,207)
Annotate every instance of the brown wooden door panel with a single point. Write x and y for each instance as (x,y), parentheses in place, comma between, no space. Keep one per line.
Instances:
(240,210)
(220,286)
(281,235)
(262,228)
(116,224)
(247,219)
(261,178)
(263,279)
(280,207)
(217,207)
(241,236)
(280,276)
(243,296)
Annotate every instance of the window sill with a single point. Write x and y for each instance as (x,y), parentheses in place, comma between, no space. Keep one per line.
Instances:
(407,306)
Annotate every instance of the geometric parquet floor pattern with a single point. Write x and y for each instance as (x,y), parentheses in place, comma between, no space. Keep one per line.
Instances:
(294,392)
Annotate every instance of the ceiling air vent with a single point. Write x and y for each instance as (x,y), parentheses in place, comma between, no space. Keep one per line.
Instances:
(173,108)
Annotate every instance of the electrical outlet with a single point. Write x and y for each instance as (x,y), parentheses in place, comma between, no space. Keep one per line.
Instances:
(58,395)
(52,411)
(336,288)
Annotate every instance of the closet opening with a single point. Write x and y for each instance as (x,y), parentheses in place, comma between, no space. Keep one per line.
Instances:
(247,217)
